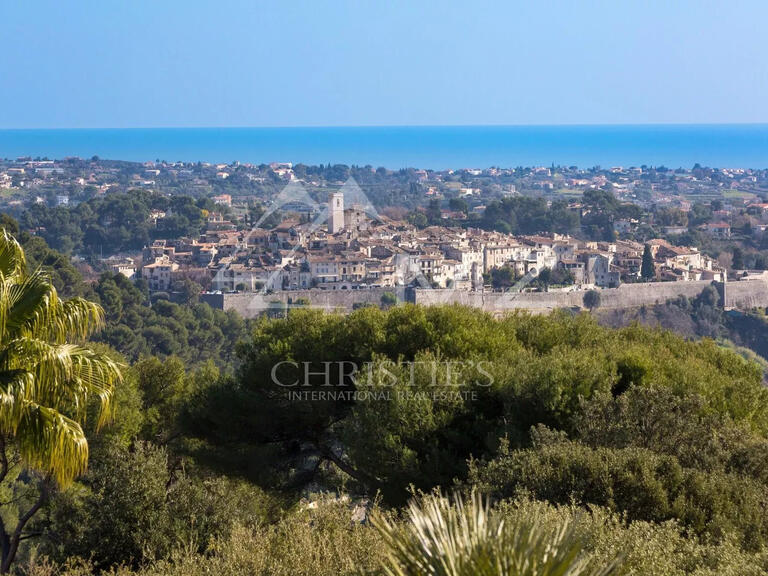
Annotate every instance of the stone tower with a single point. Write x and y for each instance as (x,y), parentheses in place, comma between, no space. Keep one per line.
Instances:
(336,213)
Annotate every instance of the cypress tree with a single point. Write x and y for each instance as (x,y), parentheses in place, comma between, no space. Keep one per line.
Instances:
(647,269)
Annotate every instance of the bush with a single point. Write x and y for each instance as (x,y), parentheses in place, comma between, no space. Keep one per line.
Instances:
(129,508)
(633,481)
(458,539)
(388,299)
(324,538)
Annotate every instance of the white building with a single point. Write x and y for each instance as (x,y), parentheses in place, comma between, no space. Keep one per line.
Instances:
(246,278)
(336,213)
(158,274)
(126,267)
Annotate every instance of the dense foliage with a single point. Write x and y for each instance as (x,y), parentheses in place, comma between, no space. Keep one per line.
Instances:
(526,215)
(529,215)
(194,331)
(327,539)
(117,222)
(701,317)
(521,370)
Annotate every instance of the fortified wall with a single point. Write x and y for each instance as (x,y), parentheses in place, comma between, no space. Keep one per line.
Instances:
(744,294)
(250,305)
(625,296)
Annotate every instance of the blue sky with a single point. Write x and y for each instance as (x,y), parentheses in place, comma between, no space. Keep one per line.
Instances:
(137,63)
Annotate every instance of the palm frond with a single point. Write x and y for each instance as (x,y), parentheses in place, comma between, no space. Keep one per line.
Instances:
(445,538)
(16,387)
(67,376)
(52,443)
(79,318)
(48,377)
(32,303)
(12,260)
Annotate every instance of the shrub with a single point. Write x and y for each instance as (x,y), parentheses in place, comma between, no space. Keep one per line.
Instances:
(467,539)
(633,481)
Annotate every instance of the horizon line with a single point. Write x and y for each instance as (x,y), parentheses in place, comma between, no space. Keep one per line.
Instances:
(353,126)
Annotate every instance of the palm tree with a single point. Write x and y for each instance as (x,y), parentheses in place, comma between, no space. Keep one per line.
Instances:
(444,538)
(49,381)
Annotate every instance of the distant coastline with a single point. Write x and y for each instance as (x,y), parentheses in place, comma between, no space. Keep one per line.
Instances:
(430,147)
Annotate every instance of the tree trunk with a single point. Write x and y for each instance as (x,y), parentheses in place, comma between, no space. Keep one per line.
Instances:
(9,542)
(5,539)
(358,475)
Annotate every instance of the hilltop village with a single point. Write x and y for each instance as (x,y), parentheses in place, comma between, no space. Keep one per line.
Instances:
(355,251)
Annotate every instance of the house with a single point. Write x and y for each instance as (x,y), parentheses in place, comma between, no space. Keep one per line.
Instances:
(719,229)
(159,273)
(296,277)
(324,269)
(465,258)
(216,222)
(495,256)
(430,263)
(223,199)
(124,266)
(598,270)
(675,230)
(235,276)
(575,267)
(156,215)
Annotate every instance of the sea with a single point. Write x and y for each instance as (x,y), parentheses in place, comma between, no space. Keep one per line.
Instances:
(429,147)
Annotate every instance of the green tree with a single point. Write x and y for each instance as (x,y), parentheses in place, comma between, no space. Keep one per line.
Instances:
(417,219)
(545,278)
(458,205)
(635,481)
(133,506)
(592,299)
(402,433)
(48,378)
(164,386)
(502,278)
(647,269)
(388,299)
(738,258)
(434,214)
